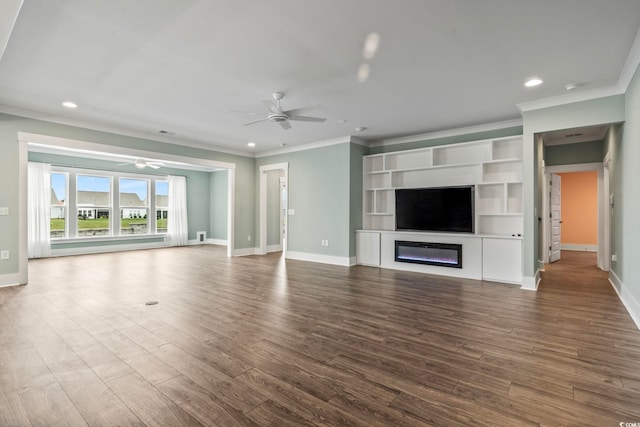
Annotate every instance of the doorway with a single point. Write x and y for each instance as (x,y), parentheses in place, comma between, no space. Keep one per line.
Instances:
(274,199)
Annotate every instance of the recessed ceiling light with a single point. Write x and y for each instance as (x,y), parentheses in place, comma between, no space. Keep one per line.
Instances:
(571,86)
(69,104)
(534,81)
(251,144)
(361,129)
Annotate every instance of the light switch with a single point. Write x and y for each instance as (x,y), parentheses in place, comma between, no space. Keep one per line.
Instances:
(4,211)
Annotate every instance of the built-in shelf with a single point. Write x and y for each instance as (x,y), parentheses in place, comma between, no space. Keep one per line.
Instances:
(493,166)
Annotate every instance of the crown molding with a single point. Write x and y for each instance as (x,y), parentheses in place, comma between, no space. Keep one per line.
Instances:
(571,98)
(631,64)
(30,114)
(619,88)
(447,133)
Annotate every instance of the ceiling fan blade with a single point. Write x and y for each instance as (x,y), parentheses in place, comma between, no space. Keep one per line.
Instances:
(256,121)
(307,119)
(301,110)
(285,125)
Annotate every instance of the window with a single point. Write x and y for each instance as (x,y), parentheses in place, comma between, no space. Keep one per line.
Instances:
(58,205)
(162,203)
(90,203)
(134,200)
(93,201)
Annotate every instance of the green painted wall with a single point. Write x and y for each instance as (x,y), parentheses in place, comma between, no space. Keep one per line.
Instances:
(511,131)
(219,205)
(569,154)
(319,194)
(10,125)
(627,200)
(599,111)
(355,193)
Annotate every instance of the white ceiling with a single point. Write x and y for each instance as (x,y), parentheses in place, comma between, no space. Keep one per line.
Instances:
(148,65)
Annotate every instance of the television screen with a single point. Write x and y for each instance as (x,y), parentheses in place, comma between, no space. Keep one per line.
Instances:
(435,209)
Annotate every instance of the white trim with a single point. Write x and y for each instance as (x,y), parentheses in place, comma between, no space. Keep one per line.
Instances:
(531,283)
(578,247)
(23,252)
(10,12)
(263,201)
(219,242)
(154,137)
(631,65)
(570,98)
(626,297)
(11,279)
(85,147)
(320,258)
(246,251)
(447,133)
(231,211)
(274,248)
(88,250)
(304,147)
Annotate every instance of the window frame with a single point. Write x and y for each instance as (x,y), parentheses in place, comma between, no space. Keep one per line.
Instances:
(71,205)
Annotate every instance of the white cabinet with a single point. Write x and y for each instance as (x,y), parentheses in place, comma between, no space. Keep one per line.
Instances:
(368,248)
(502,259)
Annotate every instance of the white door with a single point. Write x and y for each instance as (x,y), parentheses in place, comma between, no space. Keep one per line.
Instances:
(555,217)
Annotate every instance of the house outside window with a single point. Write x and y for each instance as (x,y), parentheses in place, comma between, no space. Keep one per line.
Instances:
(162,206)
(94,204)
(58,224)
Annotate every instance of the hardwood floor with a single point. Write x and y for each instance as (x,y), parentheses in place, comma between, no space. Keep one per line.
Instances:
(257,341)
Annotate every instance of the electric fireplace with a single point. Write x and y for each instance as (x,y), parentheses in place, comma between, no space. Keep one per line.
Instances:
(441,254)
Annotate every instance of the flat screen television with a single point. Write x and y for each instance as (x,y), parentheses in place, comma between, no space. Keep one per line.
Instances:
(447,209)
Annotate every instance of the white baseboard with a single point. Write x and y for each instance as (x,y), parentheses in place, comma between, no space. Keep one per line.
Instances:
(221,242)
(246,251)
(322,259)
(628,300)
(578,247)
(104,249)
(274,248)
(530,283)
(12,279)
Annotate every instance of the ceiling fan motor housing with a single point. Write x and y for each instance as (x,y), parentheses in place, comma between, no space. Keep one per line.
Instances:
(278,118)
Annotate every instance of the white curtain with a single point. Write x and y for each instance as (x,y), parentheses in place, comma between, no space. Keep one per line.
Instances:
(39,210)
(177,230)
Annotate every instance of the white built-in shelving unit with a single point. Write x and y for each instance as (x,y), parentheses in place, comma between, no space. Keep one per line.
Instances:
(493,166)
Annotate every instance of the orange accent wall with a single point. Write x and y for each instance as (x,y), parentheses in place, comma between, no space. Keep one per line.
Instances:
(579,204)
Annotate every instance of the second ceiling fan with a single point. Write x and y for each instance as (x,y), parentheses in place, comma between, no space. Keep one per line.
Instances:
(276,114)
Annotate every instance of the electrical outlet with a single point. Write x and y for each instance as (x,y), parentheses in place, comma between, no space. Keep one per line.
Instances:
(4,255)
(614,257)
(249,237)
(326,243)
(4,211)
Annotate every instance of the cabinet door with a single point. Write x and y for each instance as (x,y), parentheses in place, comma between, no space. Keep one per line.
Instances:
(502,260)
(368,248)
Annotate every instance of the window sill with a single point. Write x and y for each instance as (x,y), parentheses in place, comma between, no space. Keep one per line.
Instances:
(108,238)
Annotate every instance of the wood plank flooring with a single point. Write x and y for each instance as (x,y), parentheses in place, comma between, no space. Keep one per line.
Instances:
(259,341)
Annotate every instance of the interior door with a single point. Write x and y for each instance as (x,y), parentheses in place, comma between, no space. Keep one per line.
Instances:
(555,216)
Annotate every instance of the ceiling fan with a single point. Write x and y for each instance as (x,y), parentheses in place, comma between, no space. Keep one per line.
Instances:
(142,163)
(276,114)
